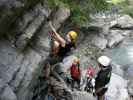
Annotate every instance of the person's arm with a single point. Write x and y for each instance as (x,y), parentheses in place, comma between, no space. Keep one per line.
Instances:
(56,36)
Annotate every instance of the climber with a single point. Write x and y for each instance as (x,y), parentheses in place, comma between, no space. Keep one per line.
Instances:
(75,73)
(103,77)
(60,47)
(90,79)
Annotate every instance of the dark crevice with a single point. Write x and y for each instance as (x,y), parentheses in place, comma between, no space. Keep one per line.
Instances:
(116,27)
(14,76)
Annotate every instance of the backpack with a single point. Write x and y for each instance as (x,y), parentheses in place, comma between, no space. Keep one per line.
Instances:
(75,71)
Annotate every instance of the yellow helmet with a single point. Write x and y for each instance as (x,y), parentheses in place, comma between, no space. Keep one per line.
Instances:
(73,35)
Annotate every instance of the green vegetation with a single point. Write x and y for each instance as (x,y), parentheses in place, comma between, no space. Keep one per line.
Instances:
(80,9)
(115,2)
(125,6)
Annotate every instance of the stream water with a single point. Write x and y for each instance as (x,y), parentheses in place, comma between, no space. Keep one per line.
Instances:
(123,54)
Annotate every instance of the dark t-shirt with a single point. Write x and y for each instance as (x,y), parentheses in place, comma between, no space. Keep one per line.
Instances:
(103,77)
(63,51)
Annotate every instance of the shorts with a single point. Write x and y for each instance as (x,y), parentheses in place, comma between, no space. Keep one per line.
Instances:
(53,60)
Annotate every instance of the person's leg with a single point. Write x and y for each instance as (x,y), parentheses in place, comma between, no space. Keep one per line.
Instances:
(78,83)
(73,84)
(101,97)
(52,60)
(98,97)
(86,84)
(89,84)
(47,65)
(131,97)
(46,70)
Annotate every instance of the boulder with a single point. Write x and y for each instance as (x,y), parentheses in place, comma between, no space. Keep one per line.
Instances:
(60,16)
(117,69)
(123,22)
(60,90)
(117,88)
(114,38)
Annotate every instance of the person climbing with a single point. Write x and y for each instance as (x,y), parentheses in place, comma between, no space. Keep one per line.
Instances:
(103,77)
(60,47)
(90,79)
(75,73)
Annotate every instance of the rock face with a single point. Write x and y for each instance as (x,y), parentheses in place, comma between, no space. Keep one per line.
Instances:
(59,18)
(11,10)
(114,38)
(16,71)
(21,22)
(8,94)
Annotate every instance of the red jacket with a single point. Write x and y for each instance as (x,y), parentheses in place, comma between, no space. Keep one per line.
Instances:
(75,71)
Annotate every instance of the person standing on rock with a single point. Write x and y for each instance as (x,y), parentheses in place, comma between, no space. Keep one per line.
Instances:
(89,79)
(75,73)
(60,47)
(103,77)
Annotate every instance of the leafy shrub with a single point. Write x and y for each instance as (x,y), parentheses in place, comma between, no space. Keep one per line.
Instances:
(80,9)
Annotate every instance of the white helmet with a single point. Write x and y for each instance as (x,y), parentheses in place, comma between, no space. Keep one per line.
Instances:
(104,60)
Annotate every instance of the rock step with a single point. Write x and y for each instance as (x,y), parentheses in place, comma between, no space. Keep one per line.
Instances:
(82,96)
